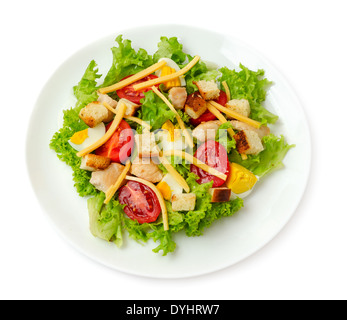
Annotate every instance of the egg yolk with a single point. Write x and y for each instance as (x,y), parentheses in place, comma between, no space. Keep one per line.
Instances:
(79,137)
(240,179)
(165,190)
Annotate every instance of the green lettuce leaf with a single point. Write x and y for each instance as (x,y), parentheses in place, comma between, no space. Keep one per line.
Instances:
(155,111)
(126,61)
(170,48)
(85,90)
(275,149)
(105,221)
(223,137)
(250,85)
(199,72)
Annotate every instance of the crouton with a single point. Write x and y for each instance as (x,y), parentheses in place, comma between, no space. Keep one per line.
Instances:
(93,114)
(104,179)
(131,107)
(195,106)
(248,142)
(208,89)
(113,103)
(220,194)
(146,145)
(146,170)
(262,131)
(206,130)
(183,202)
(93,162)
(178,97)
(240,106)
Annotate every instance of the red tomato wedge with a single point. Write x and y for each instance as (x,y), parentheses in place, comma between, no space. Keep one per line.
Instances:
(119,147)
(214,155)
(208,116)
(141,202)
(129,93)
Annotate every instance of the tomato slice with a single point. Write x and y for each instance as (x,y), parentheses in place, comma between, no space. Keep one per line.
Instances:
(129,93)
(214,155)
(208,116)
(119,147)
(141,202)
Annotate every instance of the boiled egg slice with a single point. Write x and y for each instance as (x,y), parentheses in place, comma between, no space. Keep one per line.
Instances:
(171,138)
(85,138)
(170,68)
(241,181)
(168,186)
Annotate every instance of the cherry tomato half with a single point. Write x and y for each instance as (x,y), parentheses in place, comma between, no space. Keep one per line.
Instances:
(208,116)
(119,147)
(141,202)
(129,93)
(214,155)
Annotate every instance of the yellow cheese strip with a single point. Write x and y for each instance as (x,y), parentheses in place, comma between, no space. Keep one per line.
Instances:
(159,196)
(236,115)
(179,120)
(113,189)
(134,78)
(220,117)
(195,161)
(167,78)
(135,119)
(165,162)
(244,156)
(116,121)
(227,91)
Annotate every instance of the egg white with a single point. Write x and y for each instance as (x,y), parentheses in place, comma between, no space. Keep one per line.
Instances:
(94,134)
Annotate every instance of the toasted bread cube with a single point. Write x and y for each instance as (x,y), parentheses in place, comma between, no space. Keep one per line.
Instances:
(93,162)
(262,131)
(93,114)
(195,106)
(220,194)
(131,107)
(240,106)
(248,142)
(183,202)
(146,145)
(113,103)
(104,179)
(178,97)
(208,89)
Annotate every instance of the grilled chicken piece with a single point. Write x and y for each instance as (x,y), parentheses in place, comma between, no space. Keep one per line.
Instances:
(146,169)
(178,97)
(104,179)
(206,131)
(262,131)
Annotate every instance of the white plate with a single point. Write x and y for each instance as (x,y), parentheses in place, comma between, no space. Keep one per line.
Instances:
(227,241)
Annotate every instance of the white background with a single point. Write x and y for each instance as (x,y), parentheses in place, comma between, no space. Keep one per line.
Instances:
(305,40)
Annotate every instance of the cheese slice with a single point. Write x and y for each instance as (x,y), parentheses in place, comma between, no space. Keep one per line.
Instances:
(195,161)
(227,91)
(179,120)
(159,196)
(165,162)
(167,78)
(116,121)
(113,189)
(236,115)
(220,117)
(137,76)
(134,119)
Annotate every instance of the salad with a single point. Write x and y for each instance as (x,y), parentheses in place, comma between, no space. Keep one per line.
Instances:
(166,143)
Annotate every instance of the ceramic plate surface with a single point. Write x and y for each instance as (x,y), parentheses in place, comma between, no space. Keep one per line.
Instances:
(227,241)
